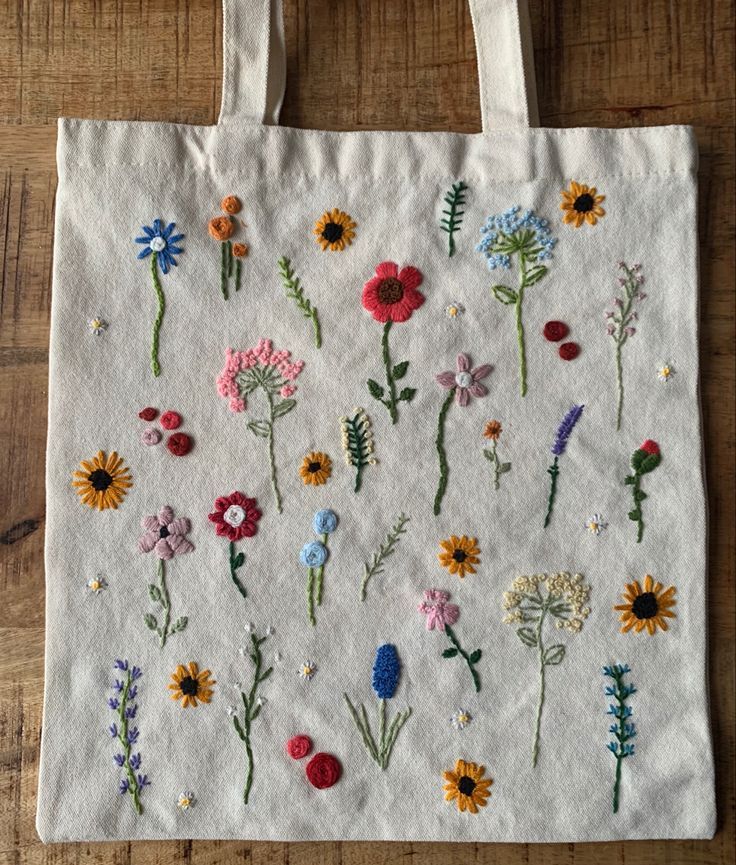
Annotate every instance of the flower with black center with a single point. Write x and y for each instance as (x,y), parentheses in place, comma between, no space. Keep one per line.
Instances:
(103,481)
(459,555)
(334,230)
(648,607)
(316,468)
(581,203)
(467,786)
(190,686)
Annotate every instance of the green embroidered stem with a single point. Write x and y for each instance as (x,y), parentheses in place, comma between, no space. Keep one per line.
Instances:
(251,709)
(155,366)
(625,730)
(310,597)
(620,756)
(381,753)
(519,323)
(384,551)
(391,403)
(453,218)
(238,272)
(440,443)
(271,455)
(619,382)
(159,594)
(638,516)
(471,660)
(357,442)
(133,786)
(235,563)
(320,574)
(540,705)
(621,320)
(553,471)
(295,292)
(226,253)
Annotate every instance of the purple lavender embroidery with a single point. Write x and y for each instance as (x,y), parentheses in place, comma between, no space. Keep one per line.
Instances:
(127,736)
(558,448)
(620,321)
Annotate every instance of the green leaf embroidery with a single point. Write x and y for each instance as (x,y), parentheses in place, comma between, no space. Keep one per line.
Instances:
(180,624)
(554,655)
(400,369)
(453,217)
(260,428)
(238,561)
(284,407)
(534,275)
(527,636)
(407,394)
(475,656)
(449,653)
(154,593)
(150,621)
(504,294)
(295,292)
(375,389)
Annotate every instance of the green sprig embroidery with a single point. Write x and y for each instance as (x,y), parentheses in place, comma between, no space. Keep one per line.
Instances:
(470,659)
(251,706)
(623,729)
(644,460)
(229,263)
(159,594)
(236,562)
(621,320)
(357,442)
(375,567)
(394,372)
(379,750)
(453,217)
(441,453)
(295,292)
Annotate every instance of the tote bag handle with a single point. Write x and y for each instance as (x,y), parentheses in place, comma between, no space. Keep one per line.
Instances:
(254,62)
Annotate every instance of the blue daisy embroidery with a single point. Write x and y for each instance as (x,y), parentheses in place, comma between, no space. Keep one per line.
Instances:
(161,245)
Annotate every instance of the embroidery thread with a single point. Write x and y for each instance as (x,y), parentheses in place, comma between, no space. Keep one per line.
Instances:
(532,599)
(104,481)
(375,567)
(644,460)
(647,607)
(295,292)
(528,238)
(357,442)
(623,729)
(558,449)
(159,243)
(334,230)
(391,296)
(386,672)
(235,517)
(165,536)
(452,217)
(492,431)
(313,556)
(126,692)
(621,322)
(461,385)
(441,615)
(581,204)
(467,786)
(273,373)
(252,705)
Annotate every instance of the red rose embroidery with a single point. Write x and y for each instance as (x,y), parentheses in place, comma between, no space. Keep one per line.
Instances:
(179,444)
(170,420)
(569,350)
(298,746)
(650,446)
(148,414)
(391,295)
(554,331)
(235,516)
(323,770)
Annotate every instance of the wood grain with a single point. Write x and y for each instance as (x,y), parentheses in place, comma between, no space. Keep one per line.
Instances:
(353,64)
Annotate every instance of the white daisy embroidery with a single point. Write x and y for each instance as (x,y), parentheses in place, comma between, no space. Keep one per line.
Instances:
(665,372)
(307,669)
(461,719)
(596,524)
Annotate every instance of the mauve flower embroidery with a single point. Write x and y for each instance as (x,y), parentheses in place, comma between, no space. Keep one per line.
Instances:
(165,534)
(438,612)
(465,381)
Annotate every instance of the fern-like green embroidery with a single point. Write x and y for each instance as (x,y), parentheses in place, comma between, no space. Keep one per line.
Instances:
(384,551)
(452,218)
(357,442)
(295,292)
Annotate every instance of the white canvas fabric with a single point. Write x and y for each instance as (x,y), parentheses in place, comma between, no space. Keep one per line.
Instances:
(115,177)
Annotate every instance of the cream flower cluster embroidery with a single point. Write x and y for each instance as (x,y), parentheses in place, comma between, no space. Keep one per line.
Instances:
(571,590)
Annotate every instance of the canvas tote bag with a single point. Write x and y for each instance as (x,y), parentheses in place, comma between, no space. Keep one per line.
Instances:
(375,496)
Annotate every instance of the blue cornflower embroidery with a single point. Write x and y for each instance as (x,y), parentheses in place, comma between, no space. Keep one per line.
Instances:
(127,736)
(623,730)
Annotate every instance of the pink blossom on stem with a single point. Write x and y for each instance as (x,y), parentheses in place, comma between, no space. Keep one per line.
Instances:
(438,612)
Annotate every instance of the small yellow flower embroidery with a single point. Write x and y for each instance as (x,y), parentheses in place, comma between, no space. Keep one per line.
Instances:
(580,204)
(665,372)
(467,786)
(307,670)
(316,468)
(459,555)
(334,230)
(96,584)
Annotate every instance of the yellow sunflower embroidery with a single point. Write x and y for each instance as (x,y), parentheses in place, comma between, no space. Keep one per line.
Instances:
(580,204)
(459,555)
(316,468)
(467,786)
(334,230)
(104,481)
(191,686)
(648,607)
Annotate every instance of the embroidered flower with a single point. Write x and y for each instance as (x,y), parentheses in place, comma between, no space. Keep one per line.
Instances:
(313,554)
(580,204)
(315,469)
(465,381)
(148,414)
(231,205)
(150,436)
(596,524)
(459,555)
(126,690)
(165,535)
(386,671)
(186,800)
(221,227)
(159,241)
(190,686)
(298,746)
(357,443)
(554,331)
(391,295)
(307,670)
(461,719)
(454,310)
(665,372)
(334,230)
(97,584)
(648,608)
(493,430)
(104,481)
(170,420)
(467,786)
(179,444)
(235,516)
(97,325)
(438,612)
(323,771)
(325,522)
(240,250)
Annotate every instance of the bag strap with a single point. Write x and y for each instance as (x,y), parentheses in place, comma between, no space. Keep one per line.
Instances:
(254,62)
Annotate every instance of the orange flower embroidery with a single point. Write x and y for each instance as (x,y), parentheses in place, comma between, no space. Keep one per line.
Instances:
(580,204)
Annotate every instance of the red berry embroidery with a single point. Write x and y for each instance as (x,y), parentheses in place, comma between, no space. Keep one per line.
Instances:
(651,447)
(323,770)
(179,444)
(298,746)
(569,350)
(148,414)
(554,331)
(170,420)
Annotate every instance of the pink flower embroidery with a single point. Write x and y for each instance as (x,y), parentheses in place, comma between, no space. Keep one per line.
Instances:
(438,612)
(165,535)
(465,381)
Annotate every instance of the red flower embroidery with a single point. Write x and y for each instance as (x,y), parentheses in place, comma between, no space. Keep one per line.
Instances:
(235,516)
(179,444)
(569,350)
(650,446)
(299,746)
(170,420)
(391,295)
(148,413)
(323,770)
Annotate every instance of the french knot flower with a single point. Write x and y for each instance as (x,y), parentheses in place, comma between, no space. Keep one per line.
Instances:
(231,204)
(150,436)
(323,771)
(179,444)
(221,227)
(313,554)
(170,420)
(298,746)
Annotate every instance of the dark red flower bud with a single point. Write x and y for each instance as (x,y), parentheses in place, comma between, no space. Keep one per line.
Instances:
(170,420)
(650,447)
(323,770)
(179,444)
(148,414)
(569,350)
(554,331)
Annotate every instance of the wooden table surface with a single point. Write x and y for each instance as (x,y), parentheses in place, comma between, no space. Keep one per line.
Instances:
(353,64)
